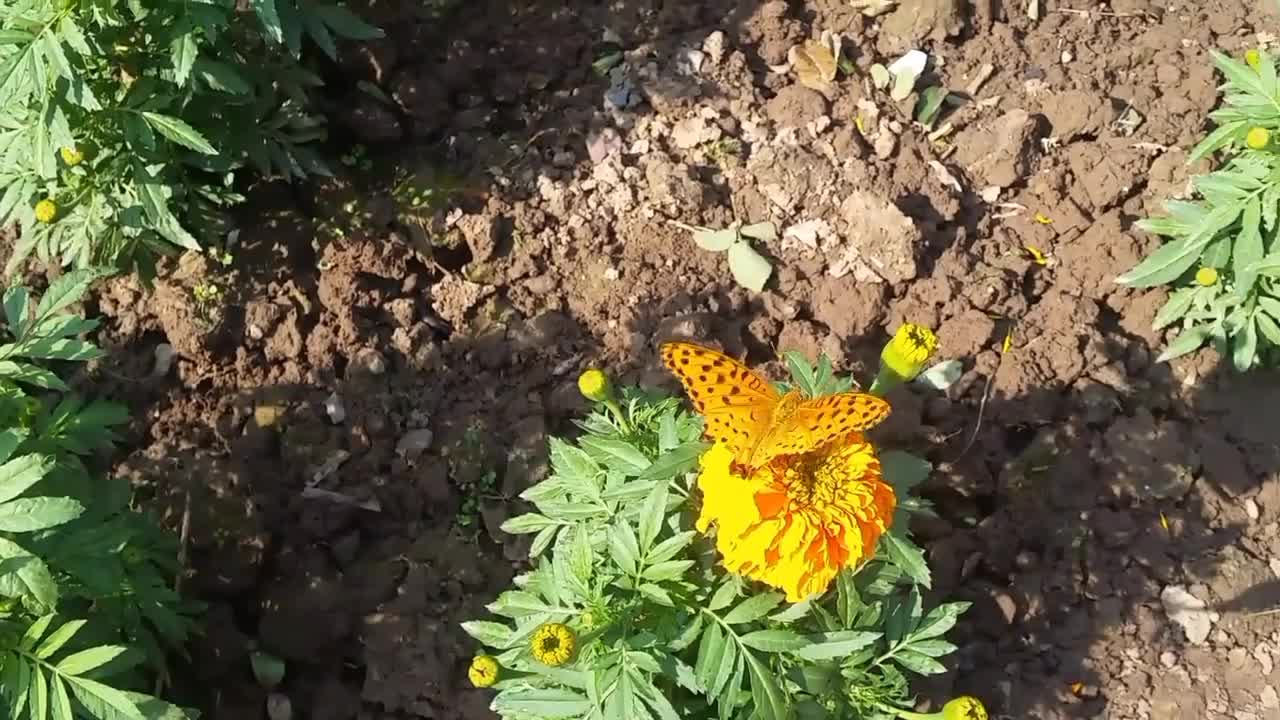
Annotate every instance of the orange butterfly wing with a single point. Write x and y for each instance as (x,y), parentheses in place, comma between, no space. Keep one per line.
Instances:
(810,424)
(738,404)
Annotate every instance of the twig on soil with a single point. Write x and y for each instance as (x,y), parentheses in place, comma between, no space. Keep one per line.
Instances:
(982,406)
(1103,13)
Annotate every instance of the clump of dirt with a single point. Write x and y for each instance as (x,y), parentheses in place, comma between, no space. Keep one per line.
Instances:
(349,425)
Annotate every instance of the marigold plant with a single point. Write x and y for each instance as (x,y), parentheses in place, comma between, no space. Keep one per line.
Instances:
(670,581)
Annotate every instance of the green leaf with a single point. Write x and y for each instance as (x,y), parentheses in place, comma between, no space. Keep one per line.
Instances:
(182,54)
(630,459)
(793,612)
(929,104)
(770,703)
(1248,246)
(18,475)
(675,462)
(31,514)
(655,699)
(1175,258)
(918,663)
(1244,346)
(266,10)
(518,604)
(528,523)
(667,549)
(838,644)
(753,608)
(492,634)
(179,132)
(656,594)
(933,648)
(939,620)
(152,192)
(101,700)
(711,652)
(1239,74)
(82,662)
(10,439)
(34,632)
(908,557)
(652,514)
(1187,341)
(38,699)
(67,290)
(1269,327)
(904,471)
(15,37)
(715,240)
(52,50)
(687,635)
(766,231)
(623,547)
(17,682)
(74,37)
(801,372)
(749,268)
(58,638)
(60,703)
(221,76)
(347,24)
(669,570)
(1175,308)
(725,594)
(33,577)
(542,541)
(16,310)
(774,641)
(1269,265)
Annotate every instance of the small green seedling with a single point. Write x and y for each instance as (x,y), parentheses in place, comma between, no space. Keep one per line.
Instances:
(750,269)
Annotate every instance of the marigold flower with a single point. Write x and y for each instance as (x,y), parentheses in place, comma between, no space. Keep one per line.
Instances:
(46,211)
(483,672)
(553,644)
(796,522)
(594,385)
(1206,276)
(71,156)
(1253,58)
(1258,138)
(904,356)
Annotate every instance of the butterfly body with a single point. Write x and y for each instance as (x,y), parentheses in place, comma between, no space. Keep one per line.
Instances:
(756,422)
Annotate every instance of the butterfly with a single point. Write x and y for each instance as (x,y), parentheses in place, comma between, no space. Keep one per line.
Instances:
(744,412)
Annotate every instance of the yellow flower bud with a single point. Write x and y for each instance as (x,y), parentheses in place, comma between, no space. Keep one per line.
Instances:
(1206,276)
(1258,138)
(908,351)
(965,707)
(1253,58)
(483,672)
(553,644)
(46,211)
(71,156)
(594,385)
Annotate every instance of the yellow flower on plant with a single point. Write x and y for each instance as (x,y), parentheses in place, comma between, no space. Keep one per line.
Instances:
(594,385)
(909,349)
(1253,58)
(796,522)
(1257,138)
(483,672)
(46,211)
(71,156)
(1206,276)
(553,644)
(965,707)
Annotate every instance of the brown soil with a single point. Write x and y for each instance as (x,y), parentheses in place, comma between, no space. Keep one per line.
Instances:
(1090,483)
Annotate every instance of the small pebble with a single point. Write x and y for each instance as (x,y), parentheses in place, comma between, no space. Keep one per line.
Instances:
(334,409)
(164,360)
(413,443)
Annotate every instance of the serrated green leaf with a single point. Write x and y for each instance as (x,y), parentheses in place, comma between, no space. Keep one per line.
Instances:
(908,557)
(347,24)
(52,50)
(518,604)
(73,36)
(725,594)
(1175,308)
(1187,341)
(667,549)
(669,570)
(17,682)
(177,130)
(528,523)
(918,663)
(492,634)
(1244,346)
(656,594)
(10,439)
(221,76)
(827,646)
(33,577)
(1248,246)
(1269,327)
(59,637)
(31,514)
(1176,257)
(801,372)
(904,471)
(624,547)
(770,703)
(628,457)
(753,608)
(16,310)
(711,650)
(1269,266)
(59,702)
(182,56)
(793,612)
(686,637)
(750,269)
(15,37)
(674,462)
(82,662)
(933,648)
(775,641)
(102,699)
(39,694)
(19,474)
(34,632)
(939,620)
(652,513)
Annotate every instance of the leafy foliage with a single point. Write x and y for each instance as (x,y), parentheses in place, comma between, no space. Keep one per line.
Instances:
(122,123)
(750,269)
(1231,229)
(663,632)
(85,583)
